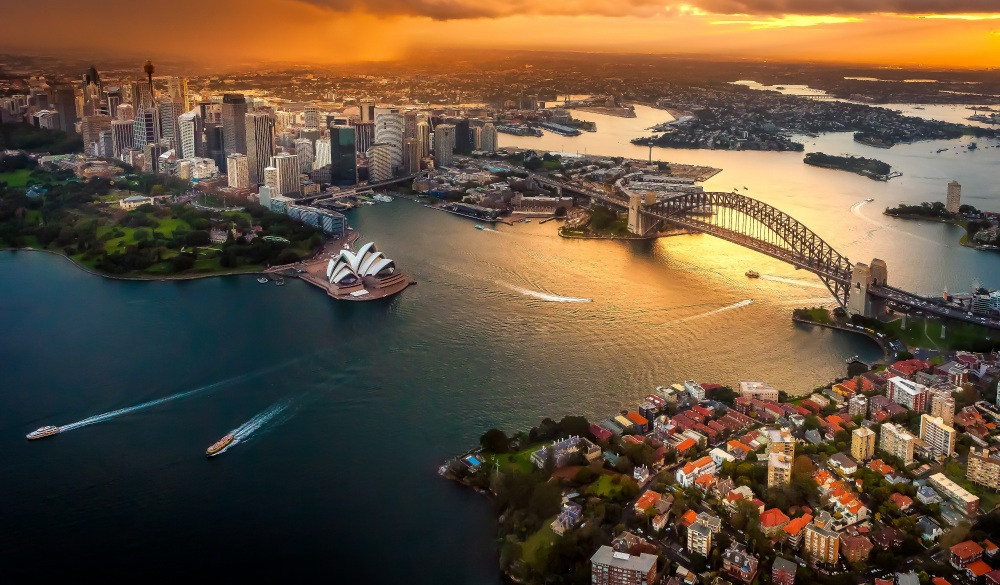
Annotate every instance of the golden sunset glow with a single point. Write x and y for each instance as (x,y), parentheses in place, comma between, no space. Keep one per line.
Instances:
(226,32)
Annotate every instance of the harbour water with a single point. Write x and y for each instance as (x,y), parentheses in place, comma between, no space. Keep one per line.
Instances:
(498,332)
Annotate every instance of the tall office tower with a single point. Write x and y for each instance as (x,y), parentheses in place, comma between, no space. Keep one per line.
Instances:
(304,150)
(189,130)
(50,121)
(463,138)
(264,195)
(211,113)
(213,144)
(271,178)
(489,141)
(311,117)
(288,174)
(954,200)
(364,136)
(862,444)
(424,138)
(113,97)
(411,156)
(380,163)
(389,130)
(259,144)
(238,171)
(938,435)
(122,136)
(444,145)
(64,98)
(147,128)
(105,145)
(91,128)
(310,134)
(367,111)
(321,157)
(93,91)
(169,112)
(477,138)
(234,128)
(125,113)
(410,120)
(142,95)
(943,406)
(177,90)
(151,157)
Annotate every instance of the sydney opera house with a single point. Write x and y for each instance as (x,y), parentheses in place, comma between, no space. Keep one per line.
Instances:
(364,275)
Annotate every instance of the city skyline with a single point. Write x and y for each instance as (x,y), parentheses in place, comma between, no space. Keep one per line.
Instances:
(929,33)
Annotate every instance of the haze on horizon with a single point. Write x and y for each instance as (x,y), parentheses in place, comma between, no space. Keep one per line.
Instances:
(913,33)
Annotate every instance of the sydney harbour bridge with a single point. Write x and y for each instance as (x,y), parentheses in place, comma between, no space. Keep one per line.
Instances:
(859,288)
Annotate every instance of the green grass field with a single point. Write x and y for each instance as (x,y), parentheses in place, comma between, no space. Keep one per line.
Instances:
(18,178)
(605,487)
(519,461)
(535,550)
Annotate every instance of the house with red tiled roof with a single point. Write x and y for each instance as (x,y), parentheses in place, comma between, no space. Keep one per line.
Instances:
(940,581)
(989,549)
(855,548)
(907,368)
(600,433)
(694,469)
(689,518)
(976,570)
(685,445)
(772,522)
(794,530)
(879,466)
(759,504)
(738,449)
(902,501)
(811,406)
(639,421)
(965,553)
(992,578)
(647,501)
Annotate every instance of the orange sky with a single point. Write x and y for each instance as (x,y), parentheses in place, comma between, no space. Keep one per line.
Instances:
(933,33)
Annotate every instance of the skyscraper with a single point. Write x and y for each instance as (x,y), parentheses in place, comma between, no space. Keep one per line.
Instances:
(259,143)
(113,98)
(142,95)
(304,150)
(367,111)
(489,138)
(954,200)
(411,156)
(64,98)
(364,136)
(147,127)
(410,121)
(177,90)
(189,127)
(91,128)
(125,112)
(238,171)
(168,112)
(322,154)
(423,138)
(271,179)
(234,130)
(380,163)
(122,136)
(311,117)
(287,166)
(444,145)
(389,131)
(463,137)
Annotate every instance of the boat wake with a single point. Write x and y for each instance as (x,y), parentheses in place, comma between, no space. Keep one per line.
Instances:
(99,418)
(791,281)
(739,305)
(856,210)
(243,432)
(544,296)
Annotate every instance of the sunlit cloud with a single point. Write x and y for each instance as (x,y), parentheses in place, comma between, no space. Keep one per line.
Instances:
(995,16)
(788,21)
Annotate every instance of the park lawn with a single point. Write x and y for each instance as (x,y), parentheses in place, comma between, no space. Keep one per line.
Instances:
(519,461)
(535,550)
(170,225)
(18,178)
(605,487)
(958,335)
(820,315)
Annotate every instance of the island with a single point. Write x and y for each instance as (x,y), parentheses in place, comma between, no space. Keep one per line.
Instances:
(866,167)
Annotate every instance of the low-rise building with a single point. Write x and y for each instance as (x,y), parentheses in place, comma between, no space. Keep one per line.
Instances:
(783,572)
(964,553)
(966,502)
(855,548)
(610,567)
(562,452)
(691,471)
(983,468)
(739,563)
(773,522)
(758,390)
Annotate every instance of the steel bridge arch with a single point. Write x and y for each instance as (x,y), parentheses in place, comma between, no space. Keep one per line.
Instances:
(756,225)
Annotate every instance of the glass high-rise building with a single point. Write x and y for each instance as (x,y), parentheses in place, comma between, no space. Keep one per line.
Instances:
(234,130)
(343,162)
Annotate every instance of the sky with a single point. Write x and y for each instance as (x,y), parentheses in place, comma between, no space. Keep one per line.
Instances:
(912,33)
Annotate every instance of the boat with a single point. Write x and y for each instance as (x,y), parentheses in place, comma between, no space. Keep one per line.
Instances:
(752,274)
(279,282)
(46,431)
(219,445)
(262,279)
(479,227)
(869,200)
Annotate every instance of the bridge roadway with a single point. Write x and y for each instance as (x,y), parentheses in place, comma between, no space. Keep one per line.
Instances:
(354,190)
(891,294)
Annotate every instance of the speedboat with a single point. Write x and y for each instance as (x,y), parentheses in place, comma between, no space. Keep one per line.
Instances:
(479,227)
(869,200)
(262,280)
(46,431)
(752,274)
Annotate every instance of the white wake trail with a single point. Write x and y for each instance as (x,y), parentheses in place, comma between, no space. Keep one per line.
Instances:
(546,296)
(856,210)
(99,418)
(246,430)
(738,305)
(791,281)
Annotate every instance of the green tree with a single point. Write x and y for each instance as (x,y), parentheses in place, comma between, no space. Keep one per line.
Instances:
(494,441)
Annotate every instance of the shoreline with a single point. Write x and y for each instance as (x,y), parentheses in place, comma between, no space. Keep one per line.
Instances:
(886,350)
